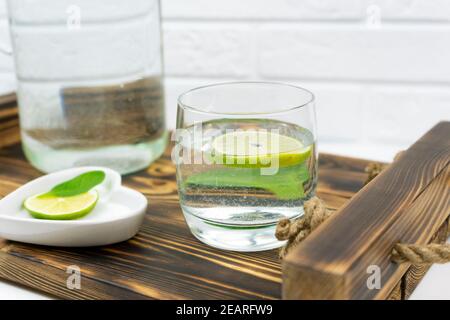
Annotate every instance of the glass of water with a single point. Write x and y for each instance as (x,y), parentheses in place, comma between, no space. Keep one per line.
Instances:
(246,157)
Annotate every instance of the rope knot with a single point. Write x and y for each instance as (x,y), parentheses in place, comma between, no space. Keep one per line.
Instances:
(315,212)
(417,254)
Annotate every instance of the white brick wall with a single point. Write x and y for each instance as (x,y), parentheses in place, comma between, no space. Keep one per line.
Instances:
(379,86)
(6,64)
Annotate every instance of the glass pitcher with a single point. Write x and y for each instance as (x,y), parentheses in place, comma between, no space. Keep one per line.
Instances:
(90,82)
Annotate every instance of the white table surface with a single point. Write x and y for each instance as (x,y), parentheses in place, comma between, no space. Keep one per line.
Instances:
(435,284)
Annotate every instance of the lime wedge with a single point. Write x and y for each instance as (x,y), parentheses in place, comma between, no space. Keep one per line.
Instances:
(47,206)
(258,149)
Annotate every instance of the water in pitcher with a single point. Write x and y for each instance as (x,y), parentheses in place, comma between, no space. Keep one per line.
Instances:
(90,84)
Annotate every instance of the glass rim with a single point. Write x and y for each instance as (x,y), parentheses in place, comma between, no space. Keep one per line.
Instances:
(219,84)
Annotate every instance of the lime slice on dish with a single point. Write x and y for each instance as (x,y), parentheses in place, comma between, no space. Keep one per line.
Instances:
(47,206)
(258,149)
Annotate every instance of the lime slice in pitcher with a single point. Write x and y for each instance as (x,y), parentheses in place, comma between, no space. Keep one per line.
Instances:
(258,149)
(47,206)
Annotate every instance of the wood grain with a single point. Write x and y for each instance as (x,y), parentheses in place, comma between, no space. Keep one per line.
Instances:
(9,121)
(408,202)
(415,273)
(8,99)
(164,261)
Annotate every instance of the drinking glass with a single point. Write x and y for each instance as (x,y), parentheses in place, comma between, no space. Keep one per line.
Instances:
(246,157)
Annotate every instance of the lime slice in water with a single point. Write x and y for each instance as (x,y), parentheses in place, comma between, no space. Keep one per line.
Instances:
(47,206)
(258,149)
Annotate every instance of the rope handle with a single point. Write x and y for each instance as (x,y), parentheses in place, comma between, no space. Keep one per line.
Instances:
(316,212)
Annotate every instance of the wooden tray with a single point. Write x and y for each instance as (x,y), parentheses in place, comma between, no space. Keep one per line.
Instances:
(164,261)
(409,202)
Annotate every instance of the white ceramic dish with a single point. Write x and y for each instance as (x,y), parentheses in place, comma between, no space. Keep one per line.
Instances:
(117,216)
